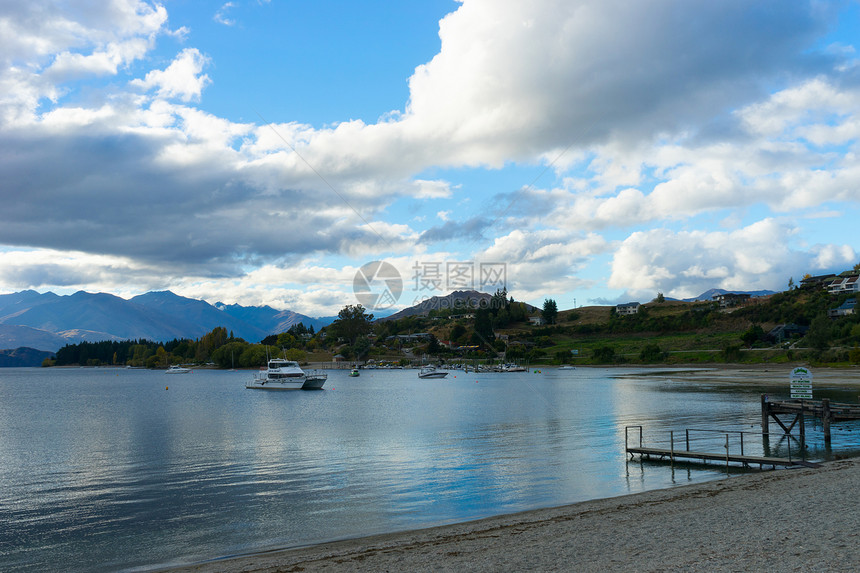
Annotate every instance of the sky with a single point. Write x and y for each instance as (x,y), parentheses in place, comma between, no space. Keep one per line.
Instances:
(276,152)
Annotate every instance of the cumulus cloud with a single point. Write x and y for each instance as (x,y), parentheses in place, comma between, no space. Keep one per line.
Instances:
(647,113)
(544,262)
(515,79)
(41,46)
(182,79)
(685,264)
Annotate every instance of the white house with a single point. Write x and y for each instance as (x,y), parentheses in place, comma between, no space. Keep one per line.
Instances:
(730,299)
(627,308)
(844,309)
(844,284)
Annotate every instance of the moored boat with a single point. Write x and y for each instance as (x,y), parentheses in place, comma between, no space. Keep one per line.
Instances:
(281,374)
(176,369)
(431,372)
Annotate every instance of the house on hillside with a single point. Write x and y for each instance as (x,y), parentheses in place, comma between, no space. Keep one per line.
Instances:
(842,285)
(627,308)
(416,337)
(820,281)
(536,320)
(783,332)
(845,309)
(731,299)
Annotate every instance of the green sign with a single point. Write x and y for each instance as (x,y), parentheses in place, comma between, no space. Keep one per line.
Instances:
(800,383)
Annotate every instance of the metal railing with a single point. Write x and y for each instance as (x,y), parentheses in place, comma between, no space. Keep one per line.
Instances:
(732,440)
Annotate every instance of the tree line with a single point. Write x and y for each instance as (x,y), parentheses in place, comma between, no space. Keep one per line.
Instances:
(217,347)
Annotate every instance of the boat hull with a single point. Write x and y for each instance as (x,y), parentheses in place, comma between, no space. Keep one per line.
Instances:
(275,385)
(309,382)
(433,375)
(314,383)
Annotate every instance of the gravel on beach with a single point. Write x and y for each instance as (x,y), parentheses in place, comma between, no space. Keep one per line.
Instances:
(788,520)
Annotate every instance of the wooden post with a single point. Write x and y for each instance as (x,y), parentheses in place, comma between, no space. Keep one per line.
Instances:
(672,446)
(802,428)
(825,419)
(765,421)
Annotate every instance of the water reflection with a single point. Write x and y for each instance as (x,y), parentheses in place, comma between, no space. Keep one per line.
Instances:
(109,470)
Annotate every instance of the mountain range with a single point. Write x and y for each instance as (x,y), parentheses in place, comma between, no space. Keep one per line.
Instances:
(49,321)
(711,293)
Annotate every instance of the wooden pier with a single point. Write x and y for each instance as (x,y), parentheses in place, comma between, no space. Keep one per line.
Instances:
(728,457)
(825,410)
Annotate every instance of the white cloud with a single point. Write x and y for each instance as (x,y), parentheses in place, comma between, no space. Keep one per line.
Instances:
(221,14)
(543,262)
(182,79)
(650,113)
(685,264)
(431,189)
(41,46)
(513,79)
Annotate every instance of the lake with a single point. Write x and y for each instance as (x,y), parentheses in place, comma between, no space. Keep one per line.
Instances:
(129,470)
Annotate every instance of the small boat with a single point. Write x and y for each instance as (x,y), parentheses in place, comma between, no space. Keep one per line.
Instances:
(514,368)
(431,372)
(354,372)
(567,367)
(176,369)
(283,374)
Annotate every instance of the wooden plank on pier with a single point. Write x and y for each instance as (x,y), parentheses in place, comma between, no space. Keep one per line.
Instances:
(827,411)
(817,408)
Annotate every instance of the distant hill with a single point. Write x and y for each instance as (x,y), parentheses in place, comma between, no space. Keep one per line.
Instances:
(711,293)
(14,336)
(465,299)
(459,299)
(23,357)
(196,317)
(269,319)
(100,312)
(48,321)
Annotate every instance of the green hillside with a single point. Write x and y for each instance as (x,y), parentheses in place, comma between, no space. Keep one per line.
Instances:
(791,326)
(668,332)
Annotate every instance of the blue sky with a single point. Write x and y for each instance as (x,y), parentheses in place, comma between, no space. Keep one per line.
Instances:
(262,152)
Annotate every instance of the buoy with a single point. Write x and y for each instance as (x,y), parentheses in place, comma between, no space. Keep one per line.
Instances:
(165,387)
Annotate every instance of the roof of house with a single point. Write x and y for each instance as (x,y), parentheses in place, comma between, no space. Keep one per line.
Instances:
(817,278)
(732,295)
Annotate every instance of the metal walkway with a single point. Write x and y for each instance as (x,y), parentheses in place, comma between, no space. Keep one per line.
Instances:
(727,456)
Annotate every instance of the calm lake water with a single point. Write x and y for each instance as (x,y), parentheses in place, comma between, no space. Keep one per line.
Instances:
(106,469)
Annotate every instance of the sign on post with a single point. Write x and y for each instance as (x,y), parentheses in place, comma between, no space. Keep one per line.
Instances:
(801,383)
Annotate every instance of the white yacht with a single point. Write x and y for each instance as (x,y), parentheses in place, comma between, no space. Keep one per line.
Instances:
(431,372)
(513,368)
(176,369)
(283,374)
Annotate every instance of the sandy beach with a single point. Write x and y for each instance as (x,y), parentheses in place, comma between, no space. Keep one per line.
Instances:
(790,520)
(772,375)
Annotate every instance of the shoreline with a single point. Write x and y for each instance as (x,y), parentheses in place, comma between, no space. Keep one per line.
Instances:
(804,519)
